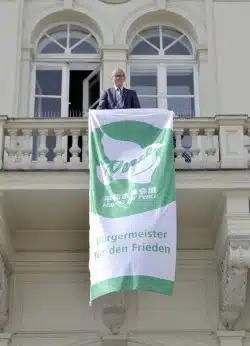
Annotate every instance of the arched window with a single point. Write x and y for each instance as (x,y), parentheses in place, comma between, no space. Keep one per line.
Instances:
(68,39)
(65,75)
(163,70)
(65,72)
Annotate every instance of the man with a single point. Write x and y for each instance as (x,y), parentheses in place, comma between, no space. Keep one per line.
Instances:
(119,97)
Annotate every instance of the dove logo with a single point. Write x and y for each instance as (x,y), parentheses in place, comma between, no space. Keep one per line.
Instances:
(128,161)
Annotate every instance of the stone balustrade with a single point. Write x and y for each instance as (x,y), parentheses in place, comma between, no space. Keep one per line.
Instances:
(220,142)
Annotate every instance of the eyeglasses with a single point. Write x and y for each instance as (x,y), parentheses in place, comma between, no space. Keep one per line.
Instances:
(119,76)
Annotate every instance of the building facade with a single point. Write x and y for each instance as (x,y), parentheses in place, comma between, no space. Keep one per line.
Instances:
(190,56)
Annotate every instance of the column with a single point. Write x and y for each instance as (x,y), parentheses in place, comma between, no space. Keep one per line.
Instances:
(113,57)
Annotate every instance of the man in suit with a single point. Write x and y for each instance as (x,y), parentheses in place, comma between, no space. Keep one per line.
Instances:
(119,97)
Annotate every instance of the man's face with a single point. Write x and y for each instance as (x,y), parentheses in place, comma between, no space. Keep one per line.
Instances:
(119,79)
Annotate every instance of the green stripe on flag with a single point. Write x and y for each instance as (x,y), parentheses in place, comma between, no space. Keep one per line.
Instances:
(131,283)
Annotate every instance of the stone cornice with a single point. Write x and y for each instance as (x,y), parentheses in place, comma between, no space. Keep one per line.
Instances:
(220,180)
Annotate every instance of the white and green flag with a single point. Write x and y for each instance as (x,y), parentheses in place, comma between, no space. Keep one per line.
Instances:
(132,201)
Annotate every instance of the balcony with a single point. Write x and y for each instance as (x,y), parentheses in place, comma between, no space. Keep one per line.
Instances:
(44,185)
(32,144)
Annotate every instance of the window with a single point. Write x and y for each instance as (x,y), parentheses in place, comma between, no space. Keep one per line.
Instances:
(68,39)
(65,77)
(48,91)
(166,75)
(60,79)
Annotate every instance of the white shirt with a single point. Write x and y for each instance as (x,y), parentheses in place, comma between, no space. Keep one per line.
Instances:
(121,88)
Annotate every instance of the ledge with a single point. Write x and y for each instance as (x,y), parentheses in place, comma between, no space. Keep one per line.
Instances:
(218,180)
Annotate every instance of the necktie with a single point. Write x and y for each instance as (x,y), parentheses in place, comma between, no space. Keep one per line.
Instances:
(119,98)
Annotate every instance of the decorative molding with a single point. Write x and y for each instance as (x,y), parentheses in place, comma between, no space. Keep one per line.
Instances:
(202,53)
(232,180)
(233,281)
(115,311)
(27,53)
(39,262)
(114,316)
(233,257)
(33,262)
(111,309)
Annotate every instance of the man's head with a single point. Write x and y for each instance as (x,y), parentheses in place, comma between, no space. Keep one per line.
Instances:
(118,76)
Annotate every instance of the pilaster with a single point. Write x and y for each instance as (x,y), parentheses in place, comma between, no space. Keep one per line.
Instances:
(233,257)
(3,118)
(6,248)
(212,85)
(203,75)
(25,88)
(113,57)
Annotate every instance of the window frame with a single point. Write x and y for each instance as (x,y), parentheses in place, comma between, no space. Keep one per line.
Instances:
(162,62)
(65,84)
(170,57)
(62,61)
(65,68)
(64,56)
(161,69)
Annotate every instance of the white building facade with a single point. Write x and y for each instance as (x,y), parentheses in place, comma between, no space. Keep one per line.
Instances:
(190,56)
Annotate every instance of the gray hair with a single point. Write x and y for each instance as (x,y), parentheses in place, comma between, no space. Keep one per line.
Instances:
(117,71)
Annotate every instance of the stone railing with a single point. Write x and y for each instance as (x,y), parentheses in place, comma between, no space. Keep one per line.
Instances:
(219,142)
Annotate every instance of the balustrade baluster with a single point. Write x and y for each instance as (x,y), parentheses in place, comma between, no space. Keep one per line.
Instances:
(26,149)
(59,150)
(75,149)
(85,148)
(196,161)
(210,149)
(12,149)
(179,150)
(42,150)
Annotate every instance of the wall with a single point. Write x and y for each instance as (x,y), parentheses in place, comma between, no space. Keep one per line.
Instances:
(50,300)
(127,19)
(233,56)
(223,76)
(10,37)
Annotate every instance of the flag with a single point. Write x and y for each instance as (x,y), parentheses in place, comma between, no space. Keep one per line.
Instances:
(132,201)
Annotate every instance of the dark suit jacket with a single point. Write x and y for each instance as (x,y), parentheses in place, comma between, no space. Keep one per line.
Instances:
(108,99)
